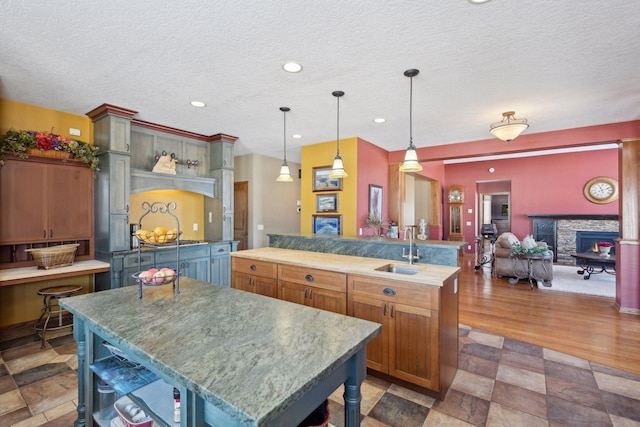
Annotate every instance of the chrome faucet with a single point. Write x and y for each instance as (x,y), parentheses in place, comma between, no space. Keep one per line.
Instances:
(410,256)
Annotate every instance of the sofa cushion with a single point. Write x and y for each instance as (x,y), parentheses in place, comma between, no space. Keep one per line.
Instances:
(507,240)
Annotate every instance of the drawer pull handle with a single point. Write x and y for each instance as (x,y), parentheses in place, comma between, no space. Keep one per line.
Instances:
(253,267)
(305,292)
(309,277)
(389,291)
(384,310)
(221,250)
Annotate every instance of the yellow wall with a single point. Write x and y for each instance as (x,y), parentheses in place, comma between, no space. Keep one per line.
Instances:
(189,210)
(21,116)
(322,154)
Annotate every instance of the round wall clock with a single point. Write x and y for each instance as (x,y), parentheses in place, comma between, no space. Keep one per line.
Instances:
(601,189)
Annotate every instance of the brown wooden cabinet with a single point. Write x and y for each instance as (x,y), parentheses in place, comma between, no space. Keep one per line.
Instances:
(407,347)
(258,277)
(44,201)
(317,288)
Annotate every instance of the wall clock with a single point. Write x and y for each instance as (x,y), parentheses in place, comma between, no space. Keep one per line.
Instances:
(455,195)
(601,189)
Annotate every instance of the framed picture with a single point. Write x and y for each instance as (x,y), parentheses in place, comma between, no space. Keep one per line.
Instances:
(327,224)
(327,202)
(322,182)
(375,200)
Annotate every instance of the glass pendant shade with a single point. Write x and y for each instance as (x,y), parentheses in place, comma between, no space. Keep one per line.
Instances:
(410,163)
(337,170)
(285,174)
(509,128)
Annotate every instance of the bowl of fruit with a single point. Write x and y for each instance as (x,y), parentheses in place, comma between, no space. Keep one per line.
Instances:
(155,276)
(157,236)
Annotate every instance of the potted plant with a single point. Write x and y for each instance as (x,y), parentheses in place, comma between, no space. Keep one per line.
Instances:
(605,248)
(24,143)
(376,223)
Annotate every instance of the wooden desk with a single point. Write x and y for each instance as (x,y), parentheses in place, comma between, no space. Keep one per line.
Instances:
(16,276)
(589,261)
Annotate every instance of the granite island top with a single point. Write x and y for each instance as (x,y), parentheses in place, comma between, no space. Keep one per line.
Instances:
(250,356)
(428,274)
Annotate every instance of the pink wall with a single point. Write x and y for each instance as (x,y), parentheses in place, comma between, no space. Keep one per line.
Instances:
(373,168)
(550,184)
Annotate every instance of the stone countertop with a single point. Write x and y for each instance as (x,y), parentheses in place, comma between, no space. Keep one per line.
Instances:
(15,276)
(428,274)
(364,240)
(249,355)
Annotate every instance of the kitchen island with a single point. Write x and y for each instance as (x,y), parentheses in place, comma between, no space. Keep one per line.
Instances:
(416,304)
(238,359)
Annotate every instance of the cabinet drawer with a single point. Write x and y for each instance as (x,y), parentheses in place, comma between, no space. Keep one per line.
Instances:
(399,292)
(131,260)
(169,254)
(255,267)
(220,249)
(313,277)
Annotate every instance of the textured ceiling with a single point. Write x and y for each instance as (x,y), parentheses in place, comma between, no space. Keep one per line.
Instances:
(560,64)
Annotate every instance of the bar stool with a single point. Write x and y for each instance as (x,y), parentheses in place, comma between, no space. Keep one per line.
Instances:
(51,296)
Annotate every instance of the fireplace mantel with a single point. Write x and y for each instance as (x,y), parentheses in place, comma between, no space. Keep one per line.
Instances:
(575,216)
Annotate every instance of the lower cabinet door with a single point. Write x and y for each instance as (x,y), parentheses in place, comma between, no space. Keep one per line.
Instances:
(266,286)
(325,299)
(413,344)
(374,310)
(242,281)
(293,292)
(196,268)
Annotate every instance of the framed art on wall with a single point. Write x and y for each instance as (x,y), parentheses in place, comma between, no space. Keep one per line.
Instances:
(375,200)
(327,202)
(327,224)
(322,181)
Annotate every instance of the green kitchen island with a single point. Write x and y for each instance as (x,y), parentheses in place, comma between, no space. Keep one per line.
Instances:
(238,359)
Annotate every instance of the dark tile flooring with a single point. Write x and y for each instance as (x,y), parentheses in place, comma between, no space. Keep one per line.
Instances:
(500,382)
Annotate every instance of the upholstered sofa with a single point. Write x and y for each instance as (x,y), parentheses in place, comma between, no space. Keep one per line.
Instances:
(507,265)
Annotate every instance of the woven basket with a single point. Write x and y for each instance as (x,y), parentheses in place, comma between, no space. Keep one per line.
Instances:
(54,256)
(52,154)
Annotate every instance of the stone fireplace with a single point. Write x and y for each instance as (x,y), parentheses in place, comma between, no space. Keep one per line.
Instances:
(561,232)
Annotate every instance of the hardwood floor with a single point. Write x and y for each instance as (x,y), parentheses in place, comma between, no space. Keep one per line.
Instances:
(579,325)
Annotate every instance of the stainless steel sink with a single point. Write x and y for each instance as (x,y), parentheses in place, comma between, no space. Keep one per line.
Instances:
(390,268)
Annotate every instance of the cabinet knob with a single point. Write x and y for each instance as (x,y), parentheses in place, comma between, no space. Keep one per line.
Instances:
(309,278)
(389,291)
(253,267)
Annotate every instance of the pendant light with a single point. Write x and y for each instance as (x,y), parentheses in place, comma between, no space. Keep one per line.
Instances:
(285,175)
(337,170)
(410,163)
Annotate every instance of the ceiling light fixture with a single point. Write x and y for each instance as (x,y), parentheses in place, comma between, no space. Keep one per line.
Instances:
(285,174)
(198,104)
(379,120)
(292,67)
(509,128)
(410,163)
(337,170)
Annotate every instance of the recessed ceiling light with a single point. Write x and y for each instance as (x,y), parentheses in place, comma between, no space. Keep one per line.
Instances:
(292,67)
(478,1)
(296,136)
(379,120)
(198,104)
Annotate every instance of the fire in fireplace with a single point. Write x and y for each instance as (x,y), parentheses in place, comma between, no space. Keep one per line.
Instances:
(587,241)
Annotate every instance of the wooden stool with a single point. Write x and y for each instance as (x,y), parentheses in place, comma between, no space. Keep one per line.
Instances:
(51,306)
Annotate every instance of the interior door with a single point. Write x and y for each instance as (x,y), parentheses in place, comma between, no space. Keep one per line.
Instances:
(241,214)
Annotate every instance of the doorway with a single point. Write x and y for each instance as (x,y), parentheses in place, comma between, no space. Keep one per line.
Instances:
(494,200)
(241,214)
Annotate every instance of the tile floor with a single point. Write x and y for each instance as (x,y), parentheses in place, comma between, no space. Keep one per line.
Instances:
(500,382)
